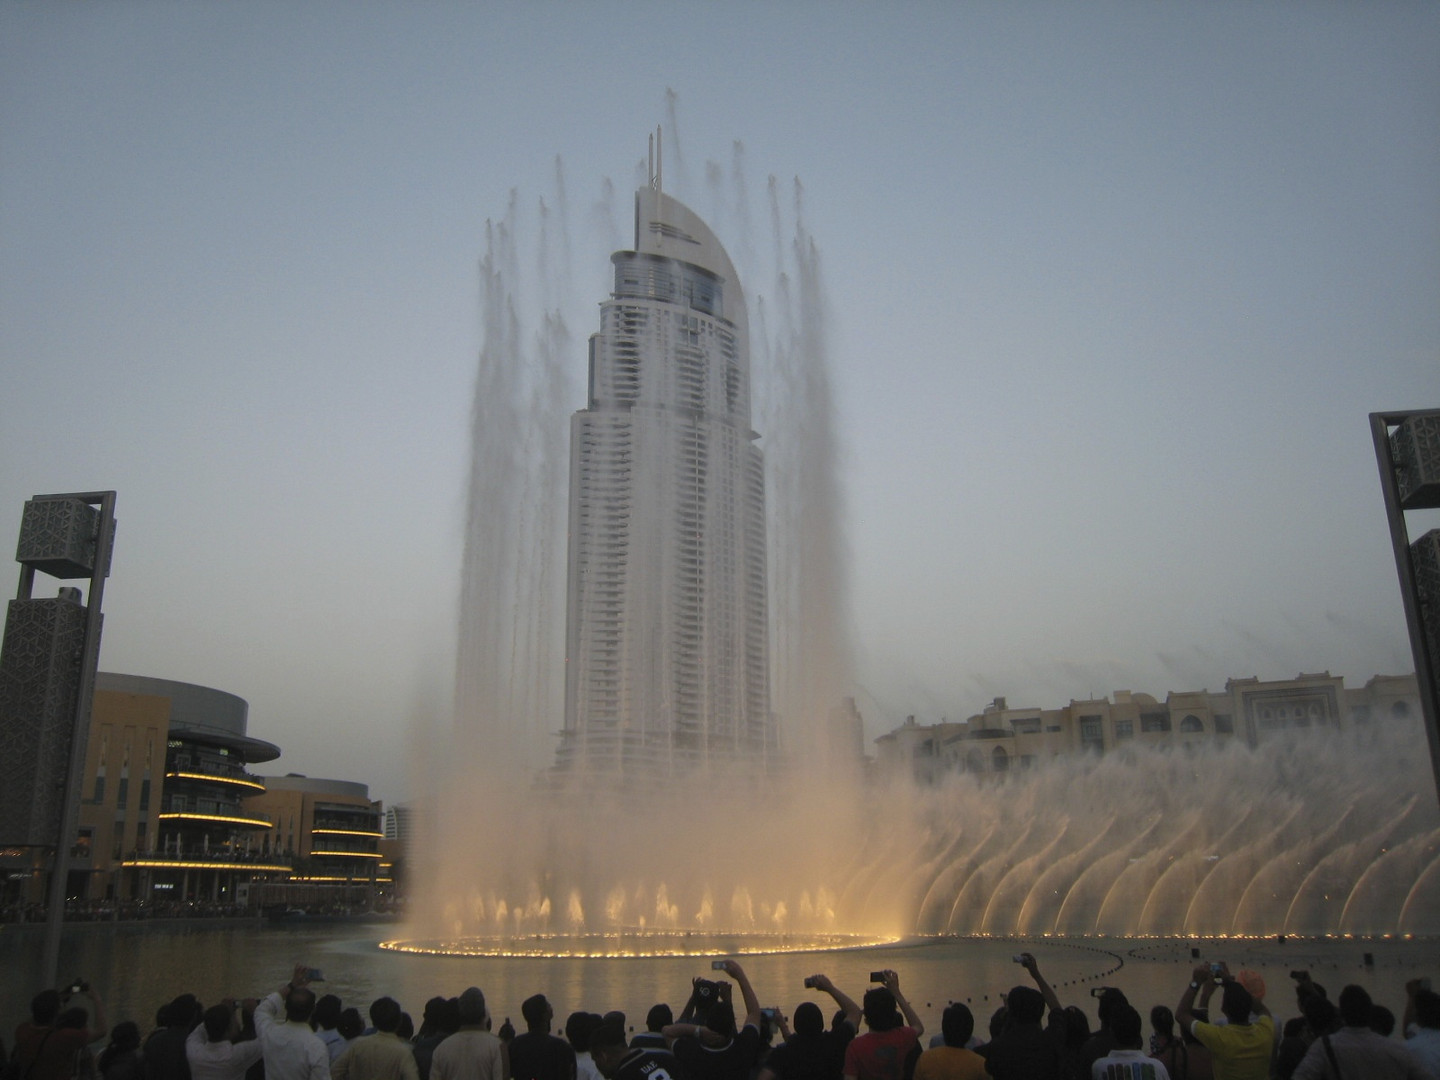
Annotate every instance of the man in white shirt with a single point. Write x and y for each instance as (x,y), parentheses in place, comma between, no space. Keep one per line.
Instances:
(211,1054)
(1127,1061)
(472,1053)
(291,1050)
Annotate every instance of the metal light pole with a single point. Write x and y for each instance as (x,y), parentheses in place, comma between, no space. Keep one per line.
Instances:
(48,662)
(1407,447)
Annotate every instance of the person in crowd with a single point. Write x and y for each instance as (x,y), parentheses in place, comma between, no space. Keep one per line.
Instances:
(706,1040)
(121,1060)
(1103,1041)
(44,1049)
(473,1052)
(535,1054)
(1128,1061)
(1165,1046)
(349,1027)
(165,1055)
(211,1051)
(578,1026)
(1421,1023)
(953,1060)
(812,1052)
(381,1056)
(653,1037)
(289,1049)
(1023,1050)
(1240,1049)
(325,1019)
(616,1061)
(406,1028)
(1357,1051)
(890,1045)
(440,1020)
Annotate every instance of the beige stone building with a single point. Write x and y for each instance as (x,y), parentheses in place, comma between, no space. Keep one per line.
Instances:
(1000,738)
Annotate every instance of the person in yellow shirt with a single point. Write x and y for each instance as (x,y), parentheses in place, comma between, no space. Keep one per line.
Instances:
(954,1060)
(1240,1049)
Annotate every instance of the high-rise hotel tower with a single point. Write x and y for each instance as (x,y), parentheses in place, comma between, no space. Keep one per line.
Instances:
(667,652)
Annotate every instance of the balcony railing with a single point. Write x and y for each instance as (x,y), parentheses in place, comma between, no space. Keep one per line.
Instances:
(227,817)
(204,860)
(250,785)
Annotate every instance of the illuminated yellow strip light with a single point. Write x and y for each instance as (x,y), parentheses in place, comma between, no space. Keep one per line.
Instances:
(160,864)
(350,854)
(346,832)
(237,781)
(258,823)
(350,880)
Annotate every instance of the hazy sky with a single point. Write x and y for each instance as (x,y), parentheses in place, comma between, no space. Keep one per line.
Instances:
(1114,287)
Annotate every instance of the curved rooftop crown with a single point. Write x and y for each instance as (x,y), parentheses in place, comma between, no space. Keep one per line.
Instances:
(668,228)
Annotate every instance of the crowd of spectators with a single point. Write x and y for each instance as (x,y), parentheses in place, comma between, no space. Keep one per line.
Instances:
(1220,1028)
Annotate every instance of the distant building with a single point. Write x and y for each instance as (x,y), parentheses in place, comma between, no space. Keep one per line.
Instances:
(161,806)
(330,833)
(1000,738)
(667,649)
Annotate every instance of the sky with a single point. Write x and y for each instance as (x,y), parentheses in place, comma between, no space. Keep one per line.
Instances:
(1113,288)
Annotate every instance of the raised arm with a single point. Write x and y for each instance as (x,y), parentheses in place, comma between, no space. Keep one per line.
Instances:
(1184,1016)
(1052,1002)
(852,1011)
(892,983)
(752,1003)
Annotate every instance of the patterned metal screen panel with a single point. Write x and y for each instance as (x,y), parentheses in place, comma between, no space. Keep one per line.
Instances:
(1425,561)
(1416,449)
(39,680)
(58,537)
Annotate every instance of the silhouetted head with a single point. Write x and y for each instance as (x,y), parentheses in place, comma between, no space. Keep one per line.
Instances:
(472,1008)
(1125,1026)
(1026,1005)
(44,1007)
(124,1036)
(326,1013)
(578,1027)
(1163,1021)
(809,1020)
(217,1022)
(350,1025)
(1355,1006)
(879,1009)
(1077,1026)
(607,1046)
(1236,1003)
(998,1020)
(957,1024)
(1321,1016)
(1110,1000)
(537,1012)
(385,1014)
(300,1004)
(186,1011)
(658,1017)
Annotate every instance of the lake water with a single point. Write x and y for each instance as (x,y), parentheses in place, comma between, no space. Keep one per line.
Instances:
(137,967)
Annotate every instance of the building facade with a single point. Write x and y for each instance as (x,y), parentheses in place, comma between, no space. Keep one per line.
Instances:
(1000,738)
(667,651)
(329,832)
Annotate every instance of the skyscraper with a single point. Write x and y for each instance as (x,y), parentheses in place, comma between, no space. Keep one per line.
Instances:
(667,652)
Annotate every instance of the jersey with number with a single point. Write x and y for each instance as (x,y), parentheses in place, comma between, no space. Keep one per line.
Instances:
(647,1064)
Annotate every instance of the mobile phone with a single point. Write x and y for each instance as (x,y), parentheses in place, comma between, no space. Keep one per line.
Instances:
(877,976)
(1097,991)
(809,982)
(1300,976)
(1215,969)
(770,1014)
(314,975)
(1019,958)
(717,965)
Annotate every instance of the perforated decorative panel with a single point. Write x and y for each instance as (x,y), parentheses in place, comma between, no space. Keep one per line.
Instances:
(1425,561)
(39,679)
(58,537)
(1415,445)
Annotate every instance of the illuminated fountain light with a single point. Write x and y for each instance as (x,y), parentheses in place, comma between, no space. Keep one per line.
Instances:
(634,943)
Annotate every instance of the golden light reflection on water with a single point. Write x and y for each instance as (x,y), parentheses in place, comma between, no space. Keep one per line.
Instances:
(638,943)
